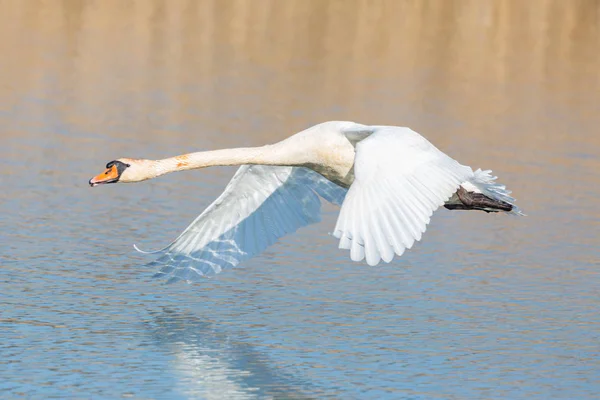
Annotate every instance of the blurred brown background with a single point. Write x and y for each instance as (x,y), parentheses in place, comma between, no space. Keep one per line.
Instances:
(482,69)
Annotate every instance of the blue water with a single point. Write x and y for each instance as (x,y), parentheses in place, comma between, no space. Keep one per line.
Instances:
(486,306)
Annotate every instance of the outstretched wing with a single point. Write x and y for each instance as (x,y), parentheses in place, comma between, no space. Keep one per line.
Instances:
(400,179)
(259,205)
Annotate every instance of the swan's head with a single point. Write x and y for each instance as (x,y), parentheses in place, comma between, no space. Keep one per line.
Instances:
(123,170)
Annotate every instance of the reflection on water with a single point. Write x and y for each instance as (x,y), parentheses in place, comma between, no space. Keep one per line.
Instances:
(209,364)
(484,307)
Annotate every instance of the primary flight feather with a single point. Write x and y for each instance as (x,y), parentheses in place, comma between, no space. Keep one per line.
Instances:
(387,179)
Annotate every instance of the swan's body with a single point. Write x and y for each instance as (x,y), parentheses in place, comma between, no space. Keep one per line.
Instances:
(387,179)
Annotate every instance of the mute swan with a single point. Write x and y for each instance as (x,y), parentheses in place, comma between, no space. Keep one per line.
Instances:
(387,179)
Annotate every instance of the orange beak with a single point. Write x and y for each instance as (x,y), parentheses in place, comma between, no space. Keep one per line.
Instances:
(111,175)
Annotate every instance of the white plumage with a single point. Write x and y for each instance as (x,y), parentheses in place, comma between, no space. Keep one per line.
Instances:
(260,205)
(400,180)
(389,181)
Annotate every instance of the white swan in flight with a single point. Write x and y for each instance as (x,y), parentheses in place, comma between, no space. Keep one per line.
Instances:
(387,179)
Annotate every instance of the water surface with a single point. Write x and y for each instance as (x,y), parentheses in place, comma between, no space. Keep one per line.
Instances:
(486,306)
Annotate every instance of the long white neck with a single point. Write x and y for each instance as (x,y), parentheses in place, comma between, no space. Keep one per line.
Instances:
(265,155)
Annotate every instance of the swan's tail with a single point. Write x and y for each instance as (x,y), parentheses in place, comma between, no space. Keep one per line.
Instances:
(481,192)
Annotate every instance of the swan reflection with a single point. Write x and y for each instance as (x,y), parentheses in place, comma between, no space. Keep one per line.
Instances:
(211,364)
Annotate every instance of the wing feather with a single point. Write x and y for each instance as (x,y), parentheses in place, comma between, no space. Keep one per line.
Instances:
(260,205)
(400,180)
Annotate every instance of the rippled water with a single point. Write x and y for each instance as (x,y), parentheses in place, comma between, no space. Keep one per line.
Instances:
(485,307)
